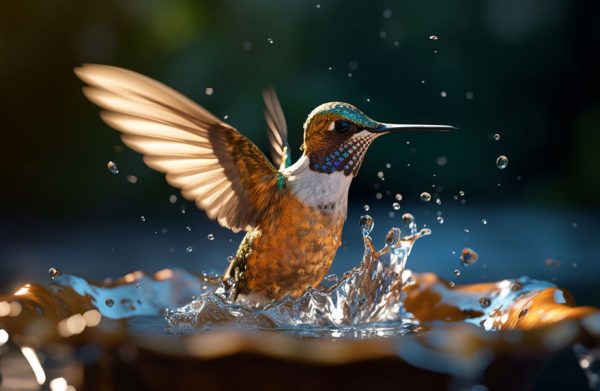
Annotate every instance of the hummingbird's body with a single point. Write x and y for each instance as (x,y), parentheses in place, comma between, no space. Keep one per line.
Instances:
(295,242)
(293,215)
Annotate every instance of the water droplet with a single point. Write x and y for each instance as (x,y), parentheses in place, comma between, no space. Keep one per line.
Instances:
(502,162)
(132,179)
(383,34)
(393,237)
(143,219)
(349,74)
(484,221)
(422,81)
(366,207)
(331,278)
(188,228)
(247,45)
(443,94)
(398,197)
(440,219)
(353,65)
(209,91)
(456,272)
(451,284)
(112,167)
(425,196)
(387,13)
(380,174)
(485,302)
(378,196)
(438,201)
(388,165)
(433,37)
(497,136)
(329,68)
(408,218)
(467,231)
(441,161)
(461,193)
(138,285)
(230,258)
(109,302)
(468,257)
(270,41)
(469,95)
(366,224)
(53,272)
(396,205)
(189,249)
(210,237)
(318,5)
(172,198)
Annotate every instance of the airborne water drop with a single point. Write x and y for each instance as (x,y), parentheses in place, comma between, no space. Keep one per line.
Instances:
(112,167)
(53,272)
(366,224)
(468,257)
(502,162)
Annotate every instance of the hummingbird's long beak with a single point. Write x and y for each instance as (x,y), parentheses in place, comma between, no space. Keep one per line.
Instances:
(389,128)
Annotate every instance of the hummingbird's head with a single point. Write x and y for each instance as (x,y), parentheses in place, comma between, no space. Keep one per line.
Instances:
(337,136)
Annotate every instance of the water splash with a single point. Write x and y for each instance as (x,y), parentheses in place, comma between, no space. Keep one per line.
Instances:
(368,297)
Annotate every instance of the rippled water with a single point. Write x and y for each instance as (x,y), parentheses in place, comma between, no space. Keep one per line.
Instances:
(367,300)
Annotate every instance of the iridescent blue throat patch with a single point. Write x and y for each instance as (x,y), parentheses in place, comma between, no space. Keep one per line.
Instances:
(347,157)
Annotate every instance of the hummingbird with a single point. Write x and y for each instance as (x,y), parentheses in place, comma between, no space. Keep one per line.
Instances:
(293,214)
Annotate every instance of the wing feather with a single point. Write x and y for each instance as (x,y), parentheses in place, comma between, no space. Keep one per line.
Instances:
(277,129)
(214,165)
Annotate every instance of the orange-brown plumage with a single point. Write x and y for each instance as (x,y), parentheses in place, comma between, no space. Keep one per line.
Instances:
(292,248)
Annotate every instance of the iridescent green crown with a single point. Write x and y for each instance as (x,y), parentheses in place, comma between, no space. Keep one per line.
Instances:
(345,110)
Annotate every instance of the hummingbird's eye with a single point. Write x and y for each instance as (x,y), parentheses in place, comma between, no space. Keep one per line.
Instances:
(343,127)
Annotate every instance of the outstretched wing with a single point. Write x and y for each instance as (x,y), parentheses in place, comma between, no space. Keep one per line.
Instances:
(214,165)
(278,144)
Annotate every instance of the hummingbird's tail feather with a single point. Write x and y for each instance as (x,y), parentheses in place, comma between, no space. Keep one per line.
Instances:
(214,165)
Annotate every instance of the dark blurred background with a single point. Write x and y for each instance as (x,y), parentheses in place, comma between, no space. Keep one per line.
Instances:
(524,69)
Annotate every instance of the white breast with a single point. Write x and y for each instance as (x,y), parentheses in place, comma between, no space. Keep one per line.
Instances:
(327,191)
